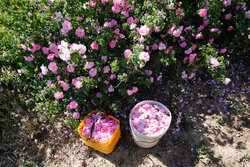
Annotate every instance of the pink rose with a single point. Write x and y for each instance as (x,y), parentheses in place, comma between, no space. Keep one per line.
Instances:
(53,67)
(144,30)
(211,40)
(117,31)
(228,16)
(112,76)
(127,53)
(23,47)
(184,76)
(134,89)
(183,44)
(144,56)
(214,62)
(65,86)
(192,57)
(154,46)
(191,75)
(40,75)
(112,44)
(58,95)
(130,20)
(187,52)
(214,29)
(45,50)
(129,92)
(44,69)
(198,36)
(80,32)
(78,84)
(104,58)
(178,11)
(162,46)
(106,69)
(73,105)
(94,46)
(137,20)
(89,65)
(116,8)
(171,30)
(92,72)
(67,26)
(53,48)
(224,50)
(110,89)
(203,12)
(177,32)
(76,115)
(92,4)
(50,57)
(230,28)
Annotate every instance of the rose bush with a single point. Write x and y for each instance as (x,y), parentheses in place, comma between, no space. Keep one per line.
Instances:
(71,56)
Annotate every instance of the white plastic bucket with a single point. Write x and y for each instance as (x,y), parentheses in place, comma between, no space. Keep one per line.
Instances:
(147,141)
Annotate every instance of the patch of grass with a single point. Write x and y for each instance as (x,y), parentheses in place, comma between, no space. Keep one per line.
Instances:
(220,122)
(247,157)
(203,152)
(241,108)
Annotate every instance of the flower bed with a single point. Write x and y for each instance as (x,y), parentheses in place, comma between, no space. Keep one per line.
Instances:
(150,119)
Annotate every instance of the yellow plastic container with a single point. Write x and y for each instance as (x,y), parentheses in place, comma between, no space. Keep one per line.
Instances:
(102,147)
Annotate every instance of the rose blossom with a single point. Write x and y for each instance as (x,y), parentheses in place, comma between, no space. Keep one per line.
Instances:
(177,32)
(76,115)
(130,20)
(58,95)
(73,105)
(162,46)
(67,26)
(214,62)
(53,67)
(106,69)
(154,46)
(53,48)
(230,28)
(80,32)
(89,65)
(116,8)
(112,76)
(45,50)
(112,44)
(183,44)
(192,57)
(214,29)
(94,46)
(144,56)
(144,30)
(203,12)
(110,89)
(127,53)
(92,72)
(228,16)
(44,69)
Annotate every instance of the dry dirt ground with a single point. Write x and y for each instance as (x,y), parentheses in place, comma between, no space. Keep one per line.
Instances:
(214,132)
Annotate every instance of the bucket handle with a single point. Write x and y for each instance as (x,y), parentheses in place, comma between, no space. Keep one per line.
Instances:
(93,126)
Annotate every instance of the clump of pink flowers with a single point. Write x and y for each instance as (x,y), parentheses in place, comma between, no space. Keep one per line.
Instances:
(104,129)
(150,119)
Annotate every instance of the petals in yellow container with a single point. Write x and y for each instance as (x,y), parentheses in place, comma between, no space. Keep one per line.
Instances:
(106,148)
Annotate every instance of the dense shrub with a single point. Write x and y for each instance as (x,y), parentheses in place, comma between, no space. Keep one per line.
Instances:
(71,56)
